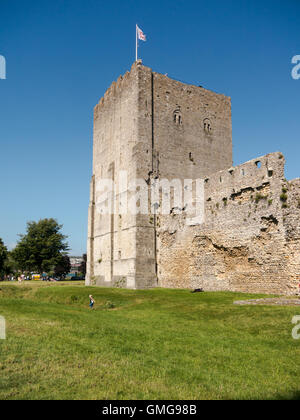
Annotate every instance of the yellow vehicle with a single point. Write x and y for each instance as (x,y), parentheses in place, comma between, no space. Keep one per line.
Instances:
(36,277)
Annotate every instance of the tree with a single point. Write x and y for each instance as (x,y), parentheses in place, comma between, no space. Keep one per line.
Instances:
(63,267)
(42,248)
(3,258)
(9,265)
(82,267)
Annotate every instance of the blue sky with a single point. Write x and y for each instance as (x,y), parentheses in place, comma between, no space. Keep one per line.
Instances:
(62,55)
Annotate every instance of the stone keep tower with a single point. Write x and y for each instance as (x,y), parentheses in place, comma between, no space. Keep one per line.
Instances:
(152,127)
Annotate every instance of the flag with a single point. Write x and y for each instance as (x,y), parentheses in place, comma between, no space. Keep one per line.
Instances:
(140,34)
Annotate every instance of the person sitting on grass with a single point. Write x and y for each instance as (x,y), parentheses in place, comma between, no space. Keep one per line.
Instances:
(92,301)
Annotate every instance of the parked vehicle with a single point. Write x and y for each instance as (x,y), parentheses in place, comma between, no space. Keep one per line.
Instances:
(77,278)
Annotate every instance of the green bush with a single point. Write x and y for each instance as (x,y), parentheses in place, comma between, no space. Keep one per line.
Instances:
(259,197)
(283,197)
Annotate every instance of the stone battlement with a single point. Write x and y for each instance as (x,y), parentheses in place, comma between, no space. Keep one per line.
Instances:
(116,87)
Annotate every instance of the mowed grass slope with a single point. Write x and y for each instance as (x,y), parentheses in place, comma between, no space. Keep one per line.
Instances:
(155,344)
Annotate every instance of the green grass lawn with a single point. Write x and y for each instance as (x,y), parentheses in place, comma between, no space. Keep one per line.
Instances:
(155,344)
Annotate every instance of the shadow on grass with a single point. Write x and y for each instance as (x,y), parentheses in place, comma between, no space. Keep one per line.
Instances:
(292,396)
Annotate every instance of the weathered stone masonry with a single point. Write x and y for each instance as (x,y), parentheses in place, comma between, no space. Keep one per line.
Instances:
(250,239)
(155,127)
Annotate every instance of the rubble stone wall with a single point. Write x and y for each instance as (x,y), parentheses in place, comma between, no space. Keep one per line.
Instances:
(250,239)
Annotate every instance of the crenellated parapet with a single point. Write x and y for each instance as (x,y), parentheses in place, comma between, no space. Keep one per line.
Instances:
(250,176)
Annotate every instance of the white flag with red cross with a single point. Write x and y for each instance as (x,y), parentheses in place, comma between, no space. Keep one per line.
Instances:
(140,34)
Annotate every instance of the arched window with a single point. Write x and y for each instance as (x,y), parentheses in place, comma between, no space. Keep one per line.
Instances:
(177,117)
(207,125)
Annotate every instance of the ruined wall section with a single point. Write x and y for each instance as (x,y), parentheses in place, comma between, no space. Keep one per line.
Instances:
(291,222)
(244,244)
(291,213)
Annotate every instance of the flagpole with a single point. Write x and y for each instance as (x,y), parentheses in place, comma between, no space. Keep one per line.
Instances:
(136,44)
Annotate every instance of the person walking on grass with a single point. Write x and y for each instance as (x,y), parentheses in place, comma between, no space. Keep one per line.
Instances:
(92,301)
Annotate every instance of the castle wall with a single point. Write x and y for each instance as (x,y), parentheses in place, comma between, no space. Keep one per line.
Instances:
(153,128)
(184,132)
(250,239)
(135,131)
(121,245)
(112,237)
(192,129)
